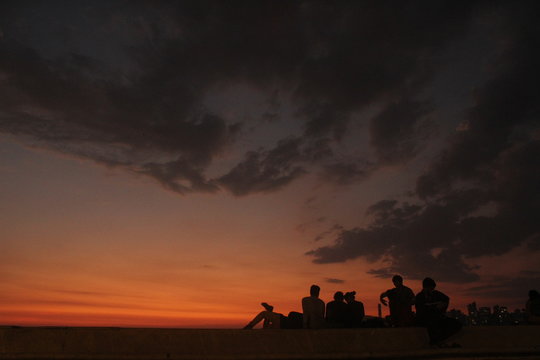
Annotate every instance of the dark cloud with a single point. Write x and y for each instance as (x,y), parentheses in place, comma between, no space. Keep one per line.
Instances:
(504,106)
(123,84)
(530,272)
(59,105)
(397,132)
(265,171)
(318,150)
(344,173)
(351,244)
(324,120)
(404,237)
(408,236)
(334,281)
(480,196)
(335,228)
(173,173)
(344,71)
(364,52)
(515,288)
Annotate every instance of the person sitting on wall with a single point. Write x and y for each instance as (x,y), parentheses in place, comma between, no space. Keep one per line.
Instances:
(400,301)
(313,309)
(336,311)
(431,306)
(355,311)
(533,308)
(272,320)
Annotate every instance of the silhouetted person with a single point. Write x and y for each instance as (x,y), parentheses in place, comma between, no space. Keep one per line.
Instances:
(272,320)
(401,299)
(336,311)
(355,311)
(431,308)
(313,309)
(533,308)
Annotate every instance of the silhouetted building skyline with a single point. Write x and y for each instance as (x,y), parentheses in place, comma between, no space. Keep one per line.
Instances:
(485,315)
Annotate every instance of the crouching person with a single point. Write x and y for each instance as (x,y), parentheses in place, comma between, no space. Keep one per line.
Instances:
(431,308)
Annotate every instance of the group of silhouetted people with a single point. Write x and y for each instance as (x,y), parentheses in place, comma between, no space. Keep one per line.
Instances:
(343,312)
(346,312)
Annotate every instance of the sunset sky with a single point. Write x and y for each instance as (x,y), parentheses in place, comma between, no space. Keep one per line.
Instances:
(174,164)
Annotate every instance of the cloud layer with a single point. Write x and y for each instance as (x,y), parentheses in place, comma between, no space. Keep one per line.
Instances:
(125,84)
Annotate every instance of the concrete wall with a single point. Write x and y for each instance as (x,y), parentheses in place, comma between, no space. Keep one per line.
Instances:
(149,344)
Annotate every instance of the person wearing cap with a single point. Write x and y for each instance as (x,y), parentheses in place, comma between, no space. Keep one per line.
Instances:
(355,311)
(313,309)
(400,301)
(431,306)
(272,320)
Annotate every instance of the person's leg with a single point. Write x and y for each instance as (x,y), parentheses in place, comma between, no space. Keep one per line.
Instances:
(450,327)
(260,316)
(435,332)
(441,330)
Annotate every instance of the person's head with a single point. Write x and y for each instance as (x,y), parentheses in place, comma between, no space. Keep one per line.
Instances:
(533,294)
(428,284)
(397,280)
(338,296)
(314,290)
(349,297)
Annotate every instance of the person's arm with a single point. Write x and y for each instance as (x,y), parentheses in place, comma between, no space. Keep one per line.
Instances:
(441,302)
(362,312)
(381,298)
(411,297)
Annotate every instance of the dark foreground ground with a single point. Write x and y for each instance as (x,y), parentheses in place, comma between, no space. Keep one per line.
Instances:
(47,343)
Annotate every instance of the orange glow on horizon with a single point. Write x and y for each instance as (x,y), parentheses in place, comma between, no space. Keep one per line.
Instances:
(47,308)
